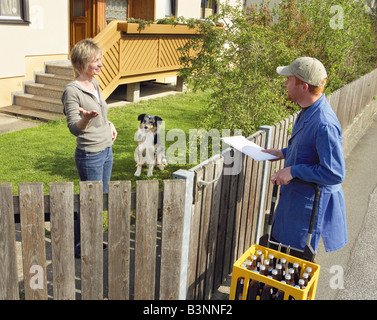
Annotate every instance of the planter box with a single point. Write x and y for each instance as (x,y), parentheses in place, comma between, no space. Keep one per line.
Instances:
(133,28)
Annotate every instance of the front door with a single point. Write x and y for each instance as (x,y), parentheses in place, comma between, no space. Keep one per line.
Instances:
(81,20)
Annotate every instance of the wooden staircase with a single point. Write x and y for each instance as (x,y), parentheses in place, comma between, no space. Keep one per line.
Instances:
(41,98)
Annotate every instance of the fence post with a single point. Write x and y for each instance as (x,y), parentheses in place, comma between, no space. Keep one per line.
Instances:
(189,177)
(264,182)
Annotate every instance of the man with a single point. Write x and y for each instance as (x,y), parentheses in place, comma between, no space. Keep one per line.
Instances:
(314,154)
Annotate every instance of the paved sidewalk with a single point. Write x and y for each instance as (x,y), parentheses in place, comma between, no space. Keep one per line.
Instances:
(357,259)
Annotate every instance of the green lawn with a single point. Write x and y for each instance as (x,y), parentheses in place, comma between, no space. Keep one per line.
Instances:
(46,153)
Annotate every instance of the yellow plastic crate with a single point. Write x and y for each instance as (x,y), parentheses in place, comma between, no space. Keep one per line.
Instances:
(308,293)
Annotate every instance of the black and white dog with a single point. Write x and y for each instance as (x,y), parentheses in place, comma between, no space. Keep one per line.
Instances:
(149,150)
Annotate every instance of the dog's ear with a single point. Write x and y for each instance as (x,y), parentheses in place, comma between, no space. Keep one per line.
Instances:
(157,119)
(141,117)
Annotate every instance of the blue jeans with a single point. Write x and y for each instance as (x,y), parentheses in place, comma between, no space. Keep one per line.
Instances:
(92,166)
(95,166)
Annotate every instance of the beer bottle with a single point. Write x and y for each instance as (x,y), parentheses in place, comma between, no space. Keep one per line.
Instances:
(279,295)
(284,265)
(297,270)
(289,280)
(292,298)
(301,283)
(253,265)
(239,289)
(259,258)
(272,260)
(291,271)
(305,277)
(267,292)
(263,270)
(268,267)
(279,270)
(275,275)
(309,270)
(253,292)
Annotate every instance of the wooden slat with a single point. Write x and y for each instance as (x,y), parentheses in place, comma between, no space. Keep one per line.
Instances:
(119,239)
(244,206)
(204,231)
(63,260)
(213,226)
(33,240)
(8,258)
(194,236)
(239,204)
(229,257)
(145,239)
(171,242)
(91,222)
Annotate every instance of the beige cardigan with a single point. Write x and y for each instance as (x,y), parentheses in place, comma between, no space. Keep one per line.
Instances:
(97,136)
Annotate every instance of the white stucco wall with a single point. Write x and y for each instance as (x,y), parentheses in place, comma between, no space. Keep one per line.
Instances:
(46,35)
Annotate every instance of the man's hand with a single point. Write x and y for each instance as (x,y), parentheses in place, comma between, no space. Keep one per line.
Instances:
(283,176)
(275,152)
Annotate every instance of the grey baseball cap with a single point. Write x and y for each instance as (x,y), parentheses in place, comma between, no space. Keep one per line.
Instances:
(307,69)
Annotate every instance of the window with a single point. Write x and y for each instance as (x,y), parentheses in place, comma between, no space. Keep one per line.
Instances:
(116,10)
(208,8)
(14,11)
(170,8)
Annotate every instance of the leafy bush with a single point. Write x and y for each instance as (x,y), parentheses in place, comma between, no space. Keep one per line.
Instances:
(238,63)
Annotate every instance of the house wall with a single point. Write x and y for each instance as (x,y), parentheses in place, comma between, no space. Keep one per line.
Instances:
(25,48)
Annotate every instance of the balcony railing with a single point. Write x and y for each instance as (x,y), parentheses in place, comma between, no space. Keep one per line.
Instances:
(131,54)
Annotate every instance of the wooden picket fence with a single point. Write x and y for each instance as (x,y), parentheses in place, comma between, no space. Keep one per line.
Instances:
(210,215)
(32,206)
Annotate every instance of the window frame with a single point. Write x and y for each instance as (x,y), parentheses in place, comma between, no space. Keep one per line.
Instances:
(24,17)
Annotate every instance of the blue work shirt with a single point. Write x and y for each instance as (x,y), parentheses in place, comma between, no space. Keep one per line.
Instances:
(315,154)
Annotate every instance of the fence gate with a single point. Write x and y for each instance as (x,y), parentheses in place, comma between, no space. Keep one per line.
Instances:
(142,259)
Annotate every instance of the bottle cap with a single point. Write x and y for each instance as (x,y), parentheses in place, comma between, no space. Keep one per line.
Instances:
(254,257)
(278,266)
(267,262)
(301,281)
(295,265)
(270,256)
(305,275)
(287,277)
(274,272)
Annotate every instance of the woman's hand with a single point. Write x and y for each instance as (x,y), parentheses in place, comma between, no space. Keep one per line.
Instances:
(114,133)
(86,117)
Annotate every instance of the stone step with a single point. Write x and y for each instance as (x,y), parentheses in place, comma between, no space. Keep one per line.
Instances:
(53,79)
(61,68)
(38,102)
(31,113)
(45,90)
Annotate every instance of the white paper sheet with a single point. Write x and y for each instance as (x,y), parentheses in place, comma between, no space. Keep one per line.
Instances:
(247,147)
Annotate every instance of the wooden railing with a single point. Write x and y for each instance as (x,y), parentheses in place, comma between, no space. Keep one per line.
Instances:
(131,54)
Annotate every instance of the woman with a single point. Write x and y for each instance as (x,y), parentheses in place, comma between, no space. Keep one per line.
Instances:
(86,112)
